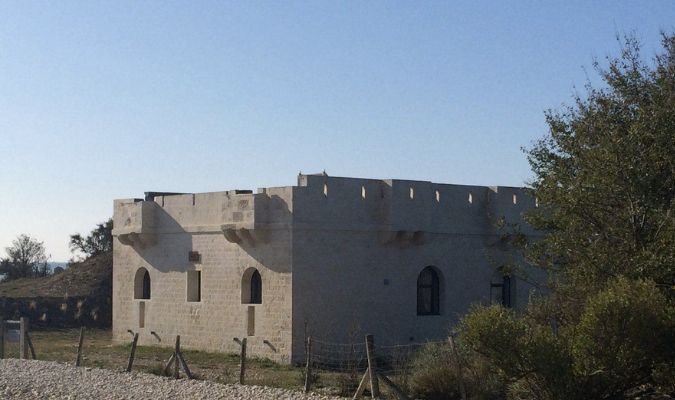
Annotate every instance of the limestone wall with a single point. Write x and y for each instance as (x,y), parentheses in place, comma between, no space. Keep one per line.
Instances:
(338,256)
(356,259)
(186,223)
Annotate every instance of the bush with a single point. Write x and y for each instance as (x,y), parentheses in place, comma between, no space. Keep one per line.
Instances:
(534,363)
(435,375)
(621,346)
(625,338)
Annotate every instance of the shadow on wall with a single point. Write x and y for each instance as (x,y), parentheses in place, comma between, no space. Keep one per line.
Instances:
(172,244)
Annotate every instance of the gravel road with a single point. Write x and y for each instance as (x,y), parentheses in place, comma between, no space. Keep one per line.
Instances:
(29,379)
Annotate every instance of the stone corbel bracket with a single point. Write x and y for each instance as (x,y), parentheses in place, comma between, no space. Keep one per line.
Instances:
(244,235)
(140,240)
(403,238)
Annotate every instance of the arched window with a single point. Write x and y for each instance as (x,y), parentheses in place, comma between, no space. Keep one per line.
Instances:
(251,287)
(256,288)
(428,292)
(142,284)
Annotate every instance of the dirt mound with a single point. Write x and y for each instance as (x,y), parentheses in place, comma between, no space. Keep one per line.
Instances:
(80,295)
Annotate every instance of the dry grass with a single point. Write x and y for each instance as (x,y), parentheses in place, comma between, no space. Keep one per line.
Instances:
(86,278)
(99,352)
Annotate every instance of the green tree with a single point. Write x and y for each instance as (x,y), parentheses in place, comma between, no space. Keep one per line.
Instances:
(98,242)
(605,177)
(26,258)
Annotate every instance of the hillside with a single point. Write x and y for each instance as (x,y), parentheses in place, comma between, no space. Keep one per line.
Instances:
(79,295)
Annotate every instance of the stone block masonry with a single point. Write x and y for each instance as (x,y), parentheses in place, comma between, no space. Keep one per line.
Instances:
(331,257)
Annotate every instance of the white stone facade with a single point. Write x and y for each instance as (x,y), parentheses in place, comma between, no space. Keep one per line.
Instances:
(337,258)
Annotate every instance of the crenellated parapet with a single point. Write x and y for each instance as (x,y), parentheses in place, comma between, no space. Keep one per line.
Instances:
(402,212)
(406,212)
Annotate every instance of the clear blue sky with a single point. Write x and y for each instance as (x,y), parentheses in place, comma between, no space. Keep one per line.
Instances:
(105,100)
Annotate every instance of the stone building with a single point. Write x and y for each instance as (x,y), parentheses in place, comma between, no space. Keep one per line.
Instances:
(332,257)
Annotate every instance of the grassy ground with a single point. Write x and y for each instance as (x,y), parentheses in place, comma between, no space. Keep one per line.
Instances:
(99,352)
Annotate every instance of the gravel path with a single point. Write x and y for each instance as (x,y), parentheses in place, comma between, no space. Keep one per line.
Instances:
(24,379)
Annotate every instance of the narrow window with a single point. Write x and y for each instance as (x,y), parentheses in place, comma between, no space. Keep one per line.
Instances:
(142,284)
(536,202)
(412,192)
(194,286)
(500,293)
(256,288)
(438,196)
(506,291)
(251,287)
(325,190)
(428,292)
(250,321)
(515,199)
(470,198)
(141,314)
(363,192)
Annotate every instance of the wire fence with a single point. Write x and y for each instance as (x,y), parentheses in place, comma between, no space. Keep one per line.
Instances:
(344,364)
(329,366)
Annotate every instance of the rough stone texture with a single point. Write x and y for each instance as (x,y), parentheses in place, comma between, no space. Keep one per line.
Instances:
(30,379)
(338,257)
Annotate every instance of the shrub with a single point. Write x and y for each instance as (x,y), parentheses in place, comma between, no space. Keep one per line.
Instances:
(625,338)
(620,347)
(534,363)
(435,375)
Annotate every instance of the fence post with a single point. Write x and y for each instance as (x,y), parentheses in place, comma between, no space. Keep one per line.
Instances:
(2,339)
(462,388)
(130,364)
(176,369)
(242,361)
(167,367)
(79,348)
(183,364)
(30,345)
(370,353)
(308,367)
(23,346)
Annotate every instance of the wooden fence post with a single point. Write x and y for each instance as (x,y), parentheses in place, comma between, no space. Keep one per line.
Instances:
(362,385)
(370,353)
(183,364)
(462,388)
(23,346)
(167,367)
(30,345)
(398,393)
(79,348)
(176,369)
(130,364)
(308,367)
(2,339)
(242,362)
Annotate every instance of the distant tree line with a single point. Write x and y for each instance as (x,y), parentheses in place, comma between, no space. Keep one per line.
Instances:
(27,258)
